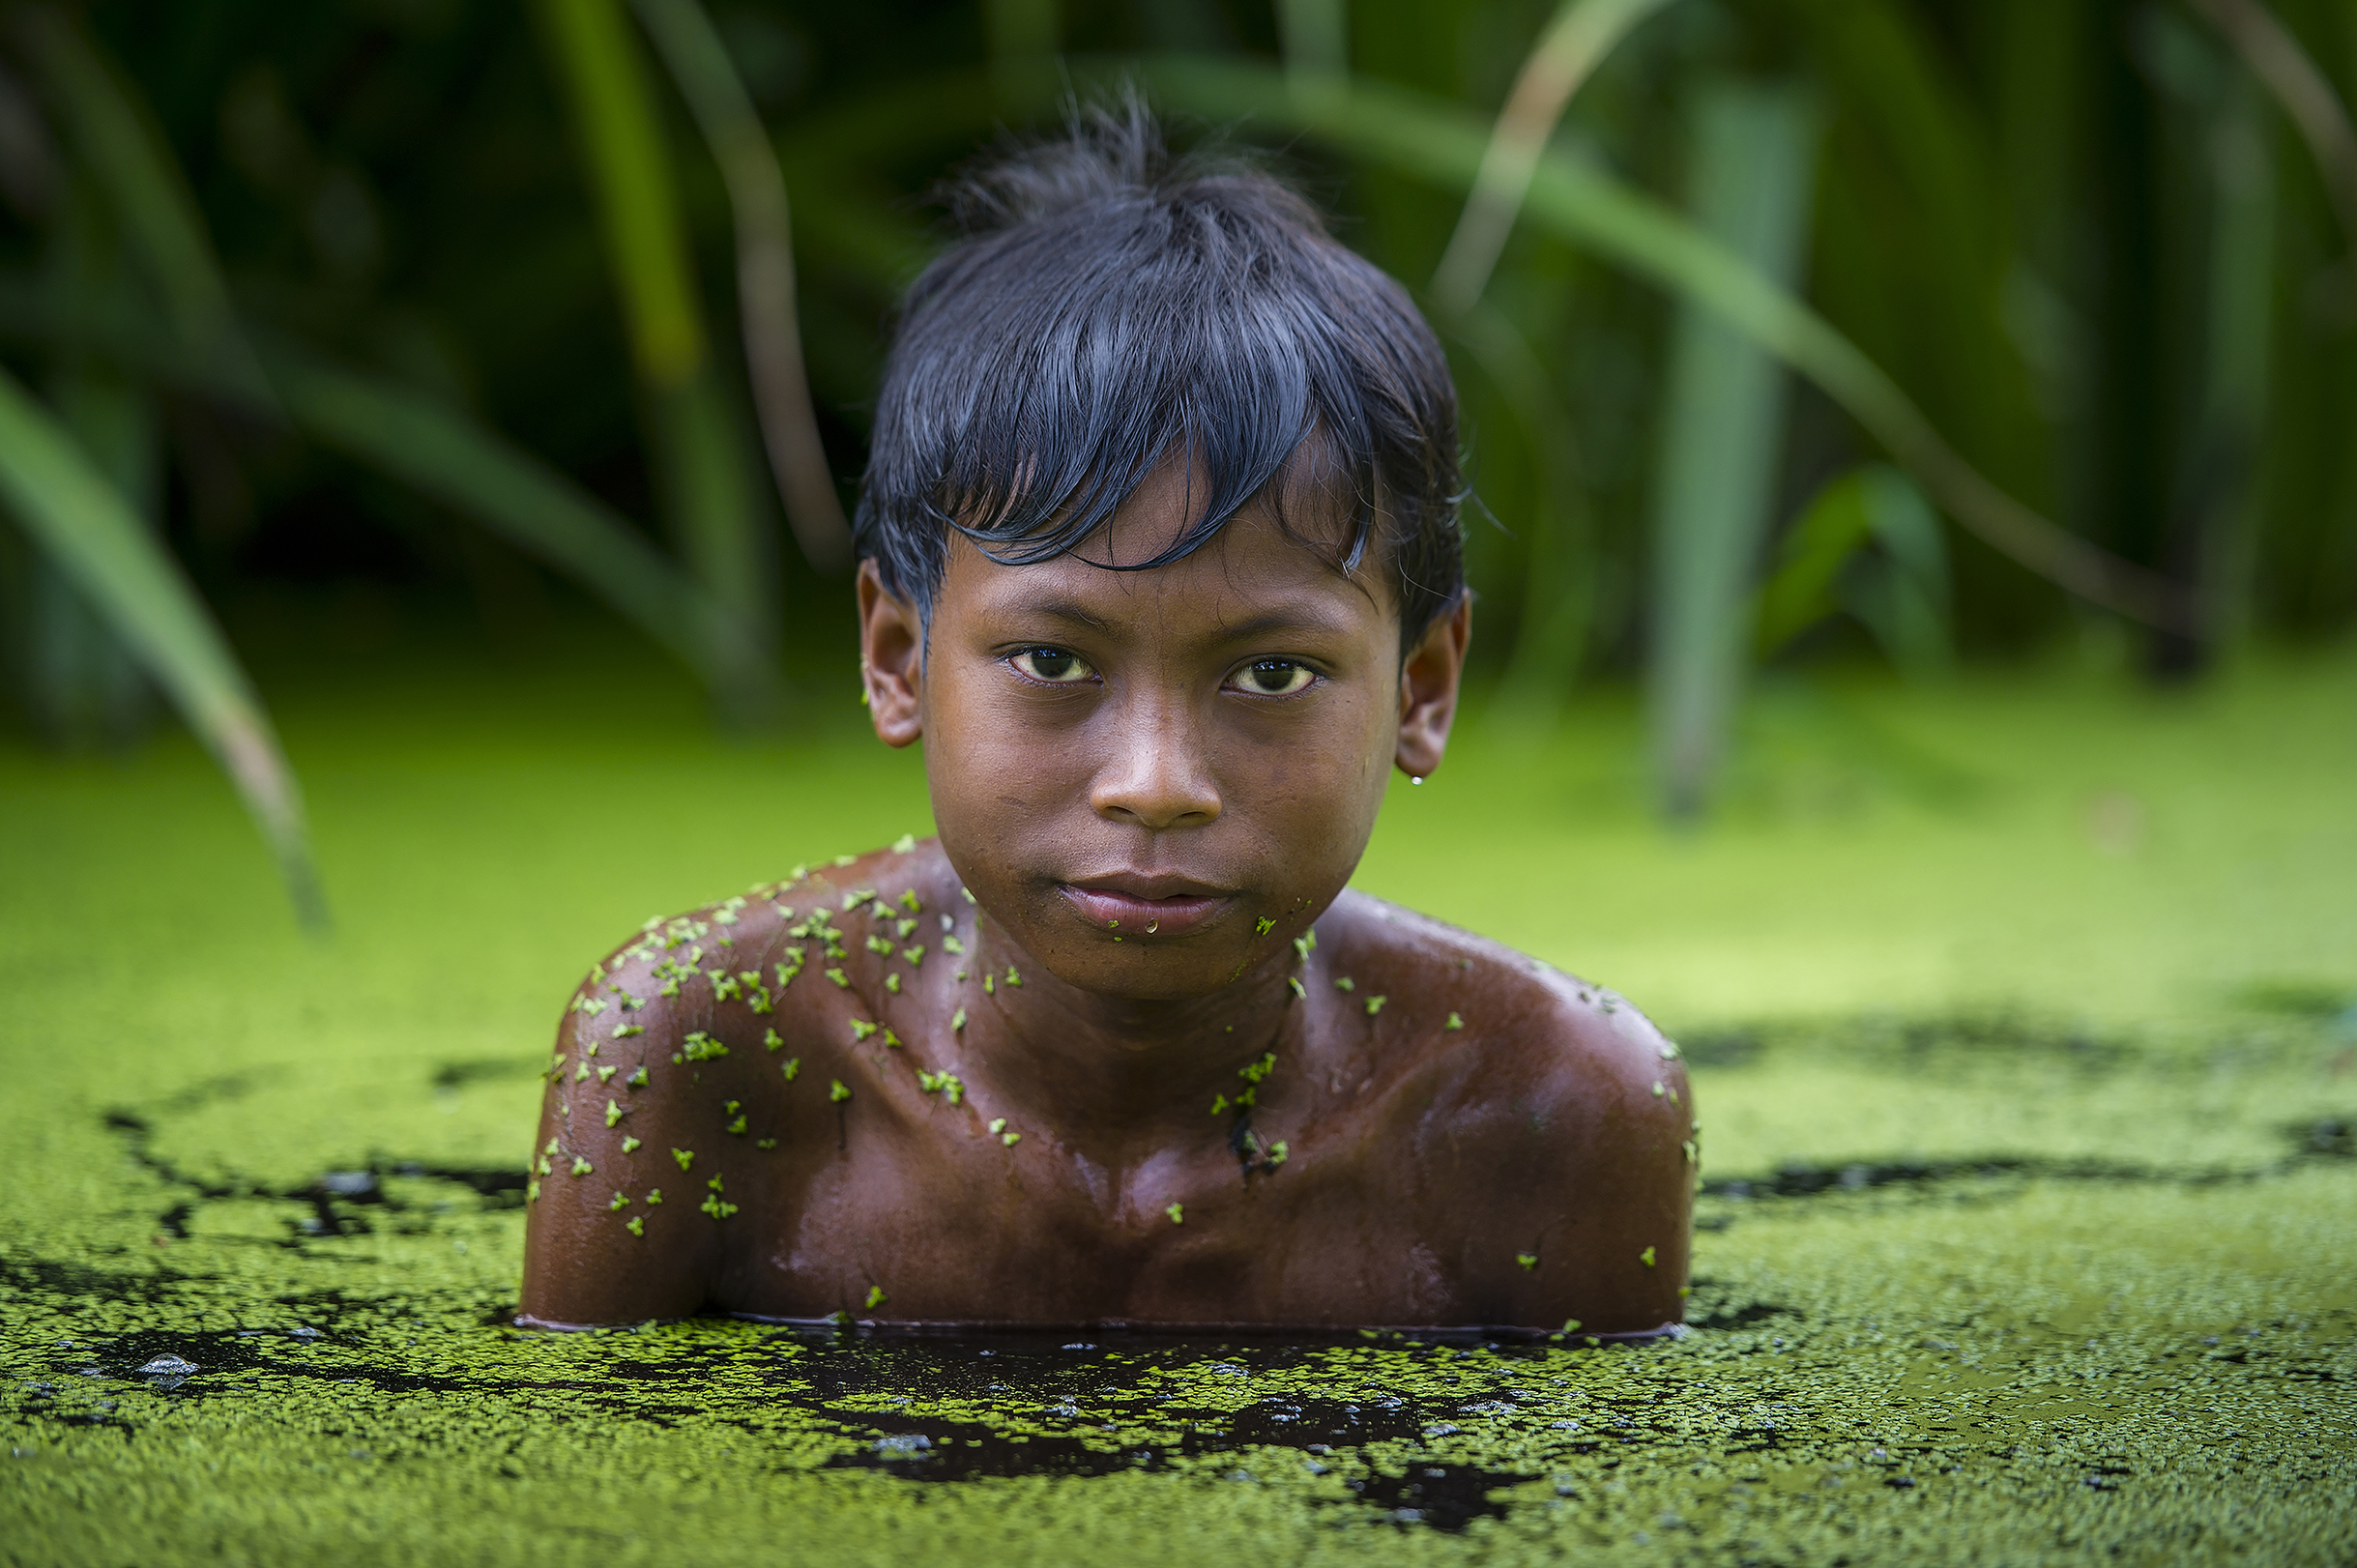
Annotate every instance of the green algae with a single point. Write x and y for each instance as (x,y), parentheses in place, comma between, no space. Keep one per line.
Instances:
(2046,1268)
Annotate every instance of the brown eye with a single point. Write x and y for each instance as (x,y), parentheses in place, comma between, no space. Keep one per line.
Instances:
(1057,666)
(1275,676)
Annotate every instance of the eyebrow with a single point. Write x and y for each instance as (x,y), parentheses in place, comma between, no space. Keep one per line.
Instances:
(1068,611)
(1071,612)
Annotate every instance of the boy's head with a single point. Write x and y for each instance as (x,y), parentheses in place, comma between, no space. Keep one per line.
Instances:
(1159,547)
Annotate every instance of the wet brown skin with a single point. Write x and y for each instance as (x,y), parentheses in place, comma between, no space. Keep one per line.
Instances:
(1529,1166)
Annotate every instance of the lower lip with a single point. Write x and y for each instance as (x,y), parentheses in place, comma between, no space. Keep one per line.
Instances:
(1125,914)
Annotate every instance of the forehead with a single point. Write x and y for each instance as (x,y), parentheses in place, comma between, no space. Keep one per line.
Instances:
(1258,571)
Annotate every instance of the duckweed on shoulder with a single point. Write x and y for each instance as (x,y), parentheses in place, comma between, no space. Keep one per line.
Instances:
(685,1157)
(837,1094)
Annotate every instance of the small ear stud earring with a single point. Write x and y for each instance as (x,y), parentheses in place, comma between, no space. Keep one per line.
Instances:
(1416,778)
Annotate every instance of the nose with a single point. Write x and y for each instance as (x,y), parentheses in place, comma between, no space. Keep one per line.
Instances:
(1156,773)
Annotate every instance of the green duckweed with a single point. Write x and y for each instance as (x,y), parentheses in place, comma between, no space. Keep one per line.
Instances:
(2024,1239)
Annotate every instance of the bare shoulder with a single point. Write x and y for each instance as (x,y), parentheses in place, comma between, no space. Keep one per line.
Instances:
(699,1069)
(1497,1018)
(1540,1128)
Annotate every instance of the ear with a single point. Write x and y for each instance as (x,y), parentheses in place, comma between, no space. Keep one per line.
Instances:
(892,659)
(1428,689)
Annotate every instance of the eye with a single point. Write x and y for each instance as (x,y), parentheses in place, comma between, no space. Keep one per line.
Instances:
(1273,678)
(1053,666)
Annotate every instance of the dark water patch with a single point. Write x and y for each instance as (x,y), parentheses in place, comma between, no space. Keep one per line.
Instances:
(486,1069)
(80,1282)
(2326,1137)
(335,1198)
(1116,1404)
(2311,998)
(1721,1048)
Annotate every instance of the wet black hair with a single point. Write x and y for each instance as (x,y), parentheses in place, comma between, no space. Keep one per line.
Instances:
(1106,309)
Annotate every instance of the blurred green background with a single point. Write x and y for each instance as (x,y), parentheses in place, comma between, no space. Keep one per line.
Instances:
(1795,336)
(1915,527)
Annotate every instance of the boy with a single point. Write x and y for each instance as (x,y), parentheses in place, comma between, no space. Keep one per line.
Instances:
(1160,557)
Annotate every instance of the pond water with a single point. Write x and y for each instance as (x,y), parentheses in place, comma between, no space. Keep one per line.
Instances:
(2027,1232)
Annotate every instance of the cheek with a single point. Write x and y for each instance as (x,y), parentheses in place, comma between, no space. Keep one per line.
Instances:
(995,779)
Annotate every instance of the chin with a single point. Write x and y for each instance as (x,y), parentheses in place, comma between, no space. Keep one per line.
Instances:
(1169,976)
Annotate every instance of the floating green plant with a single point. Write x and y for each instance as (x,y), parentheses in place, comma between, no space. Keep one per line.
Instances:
(837,1094)
(685,1157)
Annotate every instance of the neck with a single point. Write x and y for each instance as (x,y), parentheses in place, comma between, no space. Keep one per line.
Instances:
(1107,1071)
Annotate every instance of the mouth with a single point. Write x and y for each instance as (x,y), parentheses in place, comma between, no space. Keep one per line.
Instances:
(1127,904)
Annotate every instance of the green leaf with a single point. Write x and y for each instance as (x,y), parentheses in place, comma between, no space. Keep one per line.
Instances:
(1583,33)
(84,525)
(630,178)
(1442,144)
(691,423)
(700,68)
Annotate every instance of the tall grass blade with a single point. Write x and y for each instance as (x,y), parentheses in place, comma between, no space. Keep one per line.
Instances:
(631,180)
(126,153)
(1436,142)
(1723,433)
(1583,33)
(83,524)
(2236,370)
(2275,57)
(441,452)
(701,473)
(700,65)
(1314,36)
